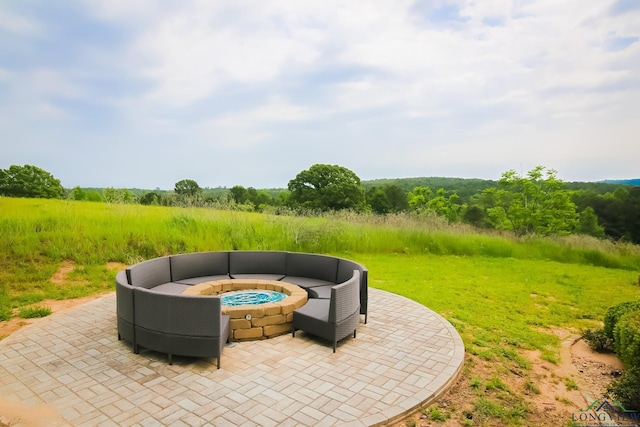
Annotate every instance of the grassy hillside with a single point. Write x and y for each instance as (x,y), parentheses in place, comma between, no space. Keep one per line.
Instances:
(503,294)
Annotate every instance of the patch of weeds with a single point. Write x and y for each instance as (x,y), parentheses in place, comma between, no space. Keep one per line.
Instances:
(435,414)
(565,400)
(550,356)
(570,384)
(34,312)
(485,408)
(475,383)
(411,423)
(467,418)
(519,410)
(496,383)
(531,388)
(514,356)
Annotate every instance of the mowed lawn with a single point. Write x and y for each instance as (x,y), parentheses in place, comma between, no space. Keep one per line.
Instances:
(505,302)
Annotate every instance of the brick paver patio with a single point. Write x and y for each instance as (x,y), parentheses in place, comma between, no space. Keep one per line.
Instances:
(72,363)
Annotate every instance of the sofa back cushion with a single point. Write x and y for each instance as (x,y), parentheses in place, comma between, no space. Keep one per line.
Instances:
(199,264)
(345,299)
(186,315)
(313,266)
(257,262)
(150,273)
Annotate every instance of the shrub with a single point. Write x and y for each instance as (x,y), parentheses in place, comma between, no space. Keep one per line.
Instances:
(627,339)
(598,340)
(614,314)
(626,388)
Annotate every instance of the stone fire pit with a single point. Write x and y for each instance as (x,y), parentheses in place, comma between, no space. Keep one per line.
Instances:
(253,322)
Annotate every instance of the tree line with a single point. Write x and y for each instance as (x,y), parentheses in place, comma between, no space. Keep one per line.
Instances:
(537,202)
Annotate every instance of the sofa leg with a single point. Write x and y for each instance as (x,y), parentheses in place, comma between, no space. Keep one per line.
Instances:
(354,333)
(136,349)
(293,332)
(218,358)
(119,337)
(170,359)
(335,343)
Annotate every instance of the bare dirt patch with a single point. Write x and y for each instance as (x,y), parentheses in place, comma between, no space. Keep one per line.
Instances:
(59,278)
(564,388)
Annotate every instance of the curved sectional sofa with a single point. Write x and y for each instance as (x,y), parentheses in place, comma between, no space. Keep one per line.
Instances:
(154,313)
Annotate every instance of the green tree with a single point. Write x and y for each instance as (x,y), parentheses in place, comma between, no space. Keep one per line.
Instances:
(445,205)
(397,197)
(29,181)
(188,187)
(474,215)
(378,200)
(117,195)
(419,197)
(589,223)
(239,194)
(535,203)
(150,198)
(77,194)
(327,187)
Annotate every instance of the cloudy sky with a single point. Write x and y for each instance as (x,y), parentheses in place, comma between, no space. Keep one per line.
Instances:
(144,93)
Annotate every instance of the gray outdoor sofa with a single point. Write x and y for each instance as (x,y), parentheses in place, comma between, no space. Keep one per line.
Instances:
(152,312)
(332,319)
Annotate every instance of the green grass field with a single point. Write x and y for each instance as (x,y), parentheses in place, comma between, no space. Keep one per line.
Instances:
(503,294)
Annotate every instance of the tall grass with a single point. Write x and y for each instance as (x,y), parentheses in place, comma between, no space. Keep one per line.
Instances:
(94,233)
(37,235)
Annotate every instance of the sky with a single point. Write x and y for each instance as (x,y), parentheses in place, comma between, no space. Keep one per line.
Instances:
(145,93)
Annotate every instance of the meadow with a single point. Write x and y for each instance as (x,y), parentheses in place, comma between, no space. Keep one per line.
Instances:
(504,294)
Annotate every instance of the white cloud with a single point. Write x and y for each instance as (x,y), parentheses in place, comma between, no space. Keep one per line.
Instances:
(459,85)
(15,23)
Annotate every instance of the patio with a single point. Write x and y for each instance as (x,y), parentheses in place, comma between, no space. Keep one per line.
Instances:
(72,364)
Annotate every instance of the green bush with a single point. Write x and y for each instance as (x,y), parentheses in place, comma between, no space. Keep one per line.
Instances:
(627,339)
(614,314)
(626,389)
(598,340)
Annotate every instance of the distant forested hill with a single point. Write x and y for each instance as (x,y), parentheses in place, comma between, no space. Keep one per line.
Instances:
(465,187)
(635,182)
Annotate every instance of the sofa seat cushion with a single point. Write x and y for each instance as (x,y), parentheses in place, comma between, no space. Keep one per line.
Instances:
(170,288)
(306,282)
(257,276)
(202,279)
(317,309)
(323,292)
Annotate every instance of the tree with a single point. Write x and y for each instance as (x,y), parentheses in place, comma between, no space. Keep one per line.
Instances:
(446,206)
(397,197)
(239,194)
(419,197)
(327,187)
(535,203)
(150,198)
(378,200)
(117,195)
(29,181)
(188,187)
